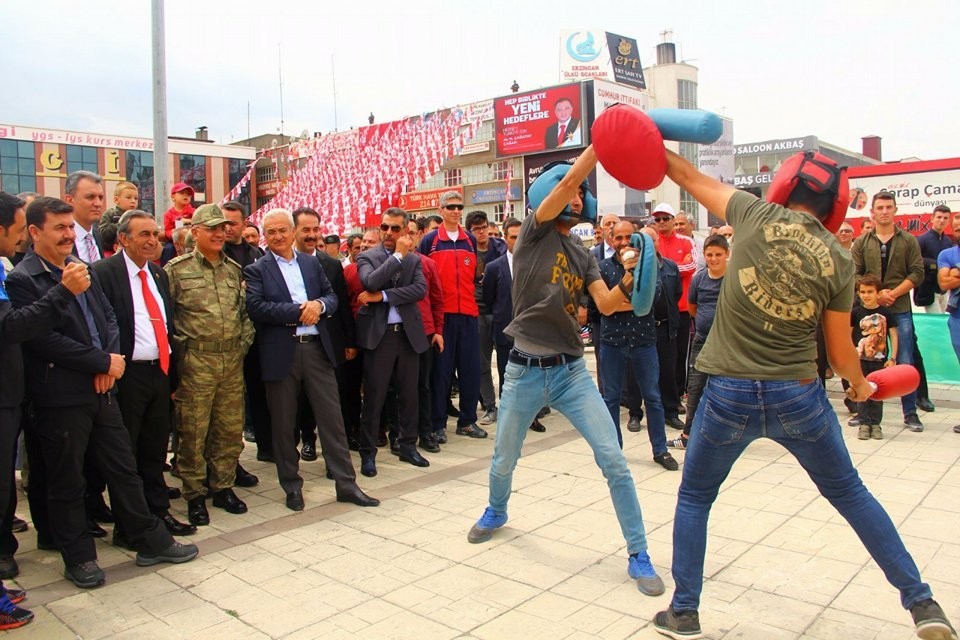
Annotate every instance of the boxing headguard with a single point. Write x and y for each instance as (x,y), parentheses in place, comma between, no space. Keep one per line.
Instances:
(549,178)
(818,173)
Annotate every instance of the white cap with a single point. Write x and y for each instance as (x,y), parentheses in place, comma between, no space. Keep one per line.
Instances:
(663,207)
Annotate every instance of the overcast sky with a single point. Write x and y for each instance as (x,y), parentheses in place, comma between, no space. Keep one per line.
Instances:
(835,69)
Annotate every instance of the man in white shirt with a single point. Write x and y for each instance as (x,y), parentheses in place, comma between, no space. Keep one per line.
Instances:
(84,190)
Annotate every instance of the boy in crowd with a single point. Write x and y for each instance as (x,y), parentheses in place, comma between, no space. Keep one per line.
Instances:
(182,209)
(872,325)
(126,197)
(703,297)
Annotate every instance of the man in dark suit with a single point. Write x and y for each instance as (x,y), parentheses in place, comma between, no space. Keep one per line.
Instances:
(498,297)
(306,223)
(84,192)
(290,300)
(139,292)
(390,332)
(70,376)
(566,130)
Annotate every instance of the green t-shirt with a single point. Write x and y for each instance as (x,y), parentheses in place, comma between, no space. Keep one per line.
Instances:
(785,269)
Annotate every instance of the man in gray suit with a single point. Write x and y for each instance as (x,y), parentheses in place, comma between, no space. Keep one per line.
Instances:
(390,331)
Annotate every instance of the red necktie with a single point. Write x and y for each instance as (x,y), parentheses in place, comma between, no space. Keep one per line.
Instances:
(560,133)
(156,319)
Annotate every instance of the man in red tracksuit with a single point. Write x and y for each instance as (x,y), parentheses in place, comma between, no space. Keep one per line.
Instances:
(454,250)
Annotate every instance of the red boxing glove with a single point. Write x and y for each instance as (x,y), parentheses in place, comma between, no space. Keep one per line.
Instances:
(893,382)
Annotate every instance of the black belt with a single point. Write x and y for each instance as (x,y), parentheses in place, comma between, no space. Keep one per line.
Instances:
(541,362)
(309,337)
(395,327)
(145,363)
(660,322)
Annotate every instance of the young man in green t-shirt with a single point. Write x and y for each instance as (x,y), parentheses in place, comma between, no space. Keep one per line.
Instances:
(787,275)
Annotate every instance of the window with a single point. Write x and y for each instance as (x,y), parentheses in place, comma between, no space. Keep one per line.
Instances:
(500,169)
(193,171)
(236,169)
(17,166)
(686,94)
(140,173)
(451,178)
(81,158)
(266,173)
(689,204)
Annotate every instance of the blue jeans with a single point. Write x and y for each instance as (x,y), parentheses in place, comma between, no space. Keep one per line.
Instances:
(646,370)
(906,341)
(569,389)
(953,324)
(735,412)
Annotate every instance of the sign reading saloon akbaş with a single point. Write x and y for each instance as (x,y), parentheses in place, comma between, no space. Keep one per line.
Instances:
(785,145)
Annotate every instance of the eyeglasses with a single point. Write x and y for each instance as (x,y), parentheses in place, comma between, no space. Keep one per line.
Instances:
(846,230)
(395,228)
(479,229)
(453,207)
(663,218)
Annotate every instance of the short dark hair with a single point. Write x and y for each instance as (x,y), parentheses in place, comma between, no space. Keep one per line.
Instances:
(397,212)
(559,100)
(476,217)
(74,179)
(300,211)
(883,194)
(870,280)
(233,205)
(9,204)
(41,206)
(818,202)
(252,226)
(108,237)
(354,236)
(941,208)
(716,240)
(510,223)
(425,221)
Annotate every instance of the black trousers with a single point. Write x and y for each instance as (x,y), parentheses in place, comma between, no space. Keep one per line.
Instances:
(393,356)
(312,373)
(65,436)
(424,408)
(350,385)
(143,394)
(9,433)
(667,354)
(257,399)
(683,346)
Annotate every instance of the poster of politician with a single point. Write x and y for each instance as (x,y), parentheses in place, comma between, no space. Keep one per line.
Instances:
(542,120)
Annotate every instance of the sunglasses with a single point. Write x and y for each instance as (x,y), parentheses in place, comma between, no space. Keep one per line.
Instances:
(663,218)
(395,228)
(453,207)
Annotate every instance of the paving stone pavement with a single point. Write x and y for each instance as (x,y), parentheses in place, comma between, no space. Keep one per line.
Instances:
(781,563)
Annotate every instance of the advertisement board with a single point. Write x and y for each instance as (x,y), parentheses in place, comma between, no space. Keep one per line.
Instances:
(595,54)
(541,120)
(424,200)
(716,161)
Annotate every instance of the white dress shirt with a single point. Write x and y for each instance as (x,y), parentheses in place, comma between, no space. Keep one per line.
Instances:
(82,248)
(293,277)
(144,339)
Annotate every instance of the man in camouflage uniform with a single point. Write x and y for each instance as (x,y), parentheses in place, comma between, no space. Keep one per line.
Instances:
(212,334)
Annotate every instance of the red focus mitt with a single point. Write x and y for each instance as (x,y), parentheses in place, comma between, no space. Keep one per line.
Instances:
(629,145)
(893,382)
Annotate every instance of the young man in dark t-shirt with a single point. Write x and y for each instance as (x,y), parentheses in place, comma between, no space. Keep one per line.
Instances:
(788,275)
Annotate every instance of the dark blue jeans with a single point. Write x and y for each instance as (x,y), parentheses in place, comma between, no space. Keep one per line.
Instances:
(906,339)
(735,412)
(646,370)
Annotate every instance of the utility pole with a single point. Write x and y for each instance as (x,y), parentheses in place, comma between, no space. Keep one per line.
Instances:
(161,160)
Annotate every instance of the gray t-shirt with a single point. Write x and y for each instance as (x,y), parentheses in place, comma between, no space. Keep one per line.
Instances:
(786,269)
(550,273)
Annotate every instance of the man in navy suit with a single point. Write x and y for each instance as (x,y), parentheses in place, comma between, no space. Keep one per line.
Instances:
(290,300)
(144,391)
(70,376)
(390,331)
(498,297)
(566,130)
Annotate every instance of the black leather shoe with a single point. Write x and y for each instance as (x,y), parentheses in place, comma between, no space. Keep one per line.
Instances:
(265,456)
(429,443)
(227,500)
(633,424)
(394,448)
(244,478)
(924,404)
(308,452)
(675,422)
(173,493)
(441,436)
(543,412)
(353,444)
(382,440)
(46,545)
(368,467)
(452,411)
(471,430)
(95,530)
(329,475)
(85,575)
(177,528)
(666,461)
(100,512)
(358,497)
(537,426)
(295,500)
(19,525)
(414,458)
(197,511)
(8,567)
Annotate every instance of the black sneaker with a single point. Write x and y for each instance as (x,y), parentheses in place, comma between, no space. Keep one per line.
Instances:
(85,575)
(931,622)
(471,430)
(680,626)
(176,553)
(912,422)
(666,461)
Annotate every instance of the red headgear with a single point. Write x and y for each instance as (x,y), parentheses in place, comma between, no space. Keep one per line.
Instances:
(818,173)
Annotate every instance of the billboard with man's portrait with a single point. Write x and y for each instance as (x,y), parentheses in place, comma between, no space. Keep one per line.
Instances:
(541,120)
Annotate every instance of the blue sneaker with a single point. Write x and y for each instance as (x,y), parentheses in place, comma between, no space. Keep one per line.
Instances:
(483,530)
(641,569)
